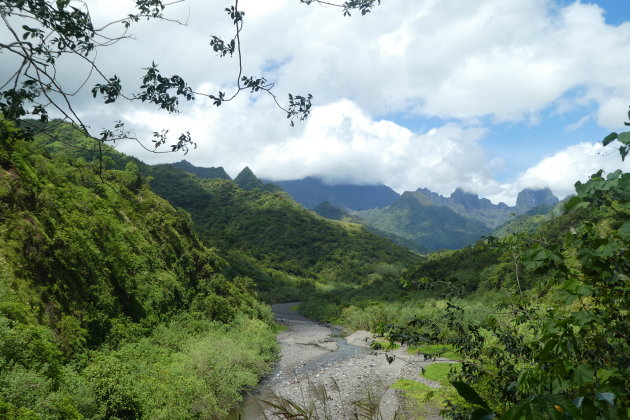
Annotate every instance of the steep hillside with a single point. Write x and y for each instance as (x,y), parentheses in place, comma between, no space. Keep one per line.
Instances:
(110,306)
(416,218)
(275,230)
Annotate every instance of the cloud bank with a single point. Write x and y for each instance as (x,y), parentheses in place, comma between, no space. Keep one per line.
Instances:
(457,67)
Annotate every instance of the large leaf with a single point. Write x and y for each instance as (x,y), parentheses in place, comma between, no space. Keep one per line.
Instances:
(624,137)
(610,138)
(469,394)
(583,374)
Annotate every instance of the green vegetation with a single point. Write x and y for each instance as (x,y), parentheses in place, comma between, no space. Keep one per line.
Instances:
(538,319)
(297,250)
(110,306)
(434,227)
(439,372)
(436,350)
(421,398)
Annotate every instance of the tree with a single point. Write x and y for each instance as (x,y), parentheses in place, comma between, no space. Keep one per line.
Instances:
(577,364)
(42,32)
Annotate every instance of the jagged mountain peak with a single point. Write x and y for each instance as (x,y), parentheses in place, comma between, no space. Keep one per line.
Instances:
(532,197)
(201,172)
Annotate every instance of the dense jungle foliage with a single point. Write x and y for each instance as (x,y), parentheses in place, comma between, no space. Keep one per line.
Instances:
(110,306)
(295,246)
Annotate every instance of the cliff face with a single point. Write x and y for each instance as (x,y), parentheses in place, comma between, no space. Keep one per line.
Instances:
(530,198)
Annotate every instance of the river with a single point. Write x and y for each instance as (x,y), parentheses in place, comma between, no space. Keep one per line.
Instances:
(321,369)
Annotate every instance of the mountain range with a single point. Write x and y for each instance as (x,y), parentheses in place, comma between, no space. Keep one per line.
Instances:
(421,220)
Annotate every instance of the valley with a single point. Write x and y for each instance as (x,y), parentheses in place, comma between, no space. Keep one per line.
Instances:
(130,290)
(281,210)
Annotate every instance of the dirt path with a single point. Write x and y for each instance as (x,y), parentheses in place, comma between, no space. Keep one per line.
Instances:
(322,370)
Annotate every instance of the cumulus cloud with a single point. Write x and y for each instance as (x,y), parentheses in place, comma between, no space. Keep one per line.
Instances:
(509,59)
(561,170)
(456,62)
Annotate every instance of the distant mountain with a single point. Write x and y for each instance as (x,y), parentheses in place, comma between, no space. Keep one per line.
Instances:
(329,211)
(436,222)
(470,206)
(416,218)
(311,192)
(530,198)
(211,173)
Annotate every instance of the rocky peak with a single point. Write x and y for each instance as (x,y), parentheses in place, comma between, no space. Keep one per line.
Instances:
(530,198)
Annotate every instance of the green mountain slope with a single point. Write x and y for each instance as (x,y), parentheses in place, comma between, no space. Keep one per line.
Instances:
(275,230)
(110,306)
(416,218)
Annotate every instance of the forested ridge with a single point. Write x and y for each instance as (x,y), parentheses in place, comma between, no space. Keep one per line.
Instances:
(110,305)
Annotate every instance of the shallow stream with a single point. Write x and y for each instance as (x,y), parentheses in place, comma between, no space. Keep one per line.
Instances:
(250,408)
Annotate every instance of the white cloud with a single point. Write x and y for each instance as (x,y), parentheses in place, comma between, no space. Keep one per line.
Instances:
(561,170)
(455,60)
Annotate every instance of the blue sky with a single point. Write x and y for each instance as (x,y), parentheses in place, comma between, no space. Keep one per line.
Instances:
(521,145)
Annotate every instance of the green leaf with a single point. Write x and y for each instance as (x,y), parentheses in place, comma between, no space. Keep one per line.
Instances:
(624,137)
(610,138)
(563,406)
(584,317)
(469,394)
(583,374)
(604,374)
(576,287)
(624,232)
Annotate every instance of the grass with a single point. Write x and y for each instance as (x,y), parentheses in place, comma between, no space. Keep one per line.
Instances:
(295,308)
(439,371)
(443,350)
(384,345)
(412,389)
(421,400)
(278,328)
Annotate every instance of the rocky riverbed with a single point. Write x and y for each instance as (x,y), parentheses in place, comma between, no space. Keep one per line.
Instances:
(322,371)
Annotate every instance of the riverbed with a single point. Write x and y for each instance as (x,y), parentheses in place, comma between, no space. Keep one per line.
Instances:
(323,371)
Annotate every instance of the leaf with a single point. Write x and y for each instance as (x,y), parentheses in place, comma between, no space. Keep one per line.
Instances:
(583,374)
(624,137)
(469,394)
(624,232)
(610,138)
(604,374)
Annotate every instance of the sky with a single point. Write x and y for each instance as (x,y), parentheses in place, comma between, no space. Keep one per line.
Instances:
(489,95)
